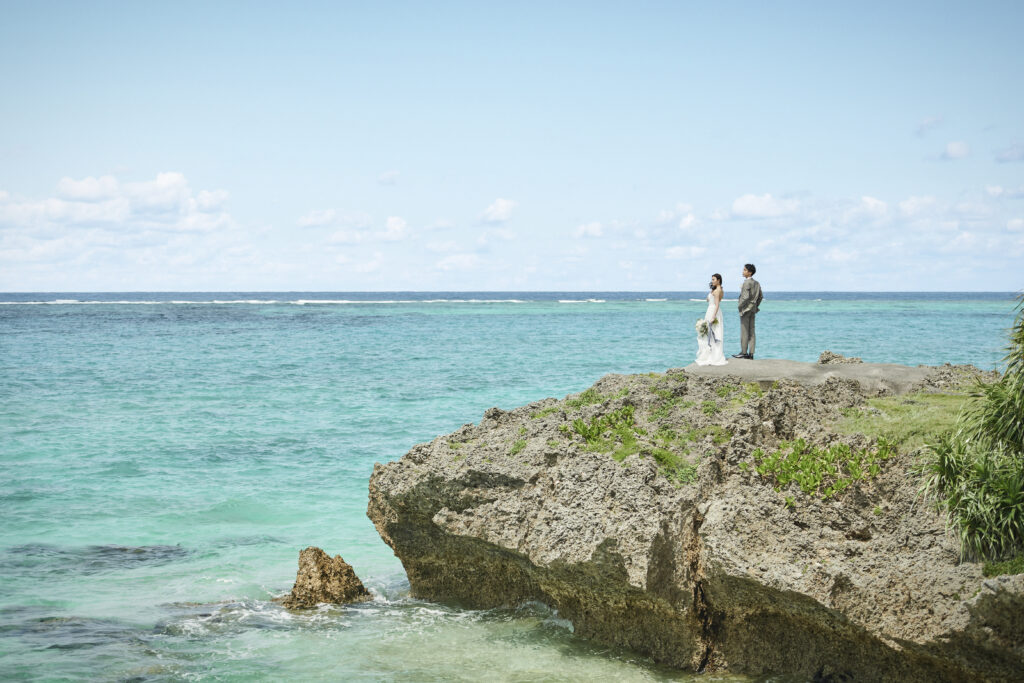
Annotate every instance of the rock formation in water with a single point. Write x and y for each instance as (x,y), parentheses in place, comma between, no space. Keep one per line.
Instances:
(322,578)
(637,510)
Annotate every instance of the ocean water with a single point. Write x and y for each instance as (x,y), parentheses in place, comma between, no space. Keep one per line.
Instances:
(166,456)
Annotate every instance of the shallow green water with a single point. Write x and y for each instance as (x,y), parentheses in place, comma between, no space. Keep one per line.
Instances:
(165,462)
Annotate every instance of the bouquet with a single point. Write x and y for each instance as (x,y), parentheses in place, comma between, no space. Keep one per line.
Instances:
(702,326)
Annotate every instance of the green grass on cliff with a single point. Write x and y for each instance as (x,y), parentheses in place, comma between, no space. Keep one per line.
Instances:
(909,422)
(1012,566)
(618,434)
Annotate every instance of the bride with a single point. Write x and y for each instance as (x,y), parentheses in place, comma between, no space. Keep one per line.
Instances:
(710,344)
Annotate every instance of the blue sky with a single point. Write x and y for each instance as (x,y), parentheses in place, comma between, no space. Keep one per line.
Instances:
(510,146)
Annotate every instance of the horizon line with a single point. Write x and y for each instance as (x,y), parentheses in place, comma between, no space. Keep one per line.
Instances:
(500,291)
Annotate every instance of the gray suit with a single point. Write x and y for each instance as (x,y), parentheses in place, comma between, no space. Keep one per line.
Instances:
(749,303)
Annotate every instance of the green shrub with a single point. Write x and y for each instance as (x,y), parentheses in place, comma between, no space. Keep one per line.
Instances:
(668,404)
(544,412)
(750,391)
(618,434)
(709,407)
(587,398)
(725,390)
(675,468)
(976,471)
(517,447)
(821,471)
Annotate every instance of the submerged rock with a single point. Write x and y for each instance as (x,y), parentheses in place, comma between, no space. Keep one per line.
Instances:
(322,578)
(636,511)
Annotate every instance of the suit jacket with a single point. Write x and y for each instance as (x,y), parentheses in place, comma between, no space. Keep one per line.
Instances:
(750,296)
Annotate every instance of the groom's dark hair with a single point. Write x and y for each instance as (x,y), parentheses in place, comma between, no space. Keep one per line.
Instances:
(750,267)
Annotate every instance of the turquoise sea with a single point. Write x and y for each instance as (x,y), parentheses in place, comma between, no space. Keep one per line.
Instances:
(166,456)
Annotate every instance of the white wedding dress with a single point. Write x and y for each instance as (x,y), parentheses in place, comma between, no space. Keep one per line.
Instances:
(711,346)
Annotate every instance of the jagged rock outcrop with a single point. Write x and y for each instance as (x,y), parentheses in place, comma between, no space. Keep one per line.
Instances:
(322,578)
(635,510)
(829,358)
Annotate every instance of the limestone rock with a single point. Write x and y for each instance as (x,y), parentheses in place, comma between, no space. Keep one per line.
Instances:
(829,358)
(700,563)
(322,578)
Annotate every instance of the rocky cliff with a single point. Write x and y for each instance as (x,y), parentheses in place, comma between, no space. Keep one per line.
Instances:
(646,512)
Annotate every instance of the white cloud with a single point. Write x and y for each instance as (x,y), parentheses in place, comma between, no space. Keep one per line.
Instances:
(873,207)
(211,201)
(165,194)
(589,230)
(1000,191)
(1010,154)
(495,235)
(498,212)
(348,236)
(868,210)
(394,228)
(676,253)
(682,215)
(763,206)
(317,218)
(443,247)
(388,178)
(458,262)
(88,189)
(964,241)
(972,210)
(956,150)
(915,206)
(369,266)
(927,124)
(166,203)
(840,255)
(1015,224)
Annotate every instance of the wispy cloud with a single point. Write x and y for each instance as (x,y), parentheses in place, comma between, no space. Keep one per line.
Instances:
(926,124)
(318,217)
(684,252)
(457,262)
(955,150)
(915,206)
(394,228)
(1010,154)
(594,229)
(682,216)
(763,206)
(500,211)
(388,178)
(1009,192)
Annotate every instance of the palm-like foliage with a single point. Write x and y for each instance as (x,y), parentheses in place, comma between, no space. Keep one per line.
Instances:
(976,472)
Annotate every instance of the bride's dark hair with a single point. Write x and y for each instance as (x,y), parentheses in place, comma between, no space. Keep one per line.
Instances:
(719,280)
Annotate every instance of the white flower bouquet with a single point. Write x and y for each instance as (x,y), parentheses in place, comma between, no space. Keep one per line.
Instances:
(702,326)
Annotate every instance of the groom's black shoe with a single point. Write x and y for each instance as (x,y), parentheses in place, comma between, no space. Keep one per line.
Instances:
(740,355)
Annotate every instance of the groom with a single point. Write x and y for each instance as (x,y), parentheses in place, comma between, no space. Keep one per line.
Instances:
(749,302)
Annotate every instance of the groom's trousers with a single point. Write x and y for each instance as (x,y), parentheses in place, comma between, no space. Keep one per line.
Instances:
(747,333)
